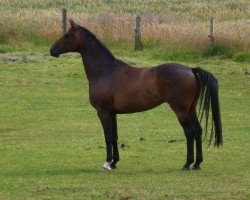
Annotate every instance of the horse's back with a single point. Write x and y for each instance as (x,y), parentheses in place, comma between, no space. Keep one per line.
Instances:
(171,69)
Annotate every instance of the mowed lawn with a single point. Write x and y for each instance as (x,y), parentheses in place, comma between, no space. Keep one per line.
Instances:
(52,145)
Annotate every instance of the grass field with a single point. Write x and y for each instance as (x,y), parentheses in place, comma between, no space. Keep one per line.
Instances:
(52,146)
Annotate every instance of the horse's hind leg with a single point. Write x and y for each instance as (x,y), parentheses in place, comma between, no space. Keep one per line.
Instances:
(185,120)
(198,139)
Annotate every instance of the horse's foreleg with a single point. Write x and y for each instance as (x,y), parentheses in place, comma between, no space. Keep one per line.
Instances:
(109,124)
(114,142)
(106,120)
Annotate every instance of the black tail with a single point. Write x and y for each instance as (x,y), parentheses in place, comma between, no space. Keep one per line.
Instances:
(209,96)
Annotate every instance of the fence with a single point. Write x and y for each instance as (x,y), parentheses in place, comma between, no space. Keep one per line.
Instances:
(138,44)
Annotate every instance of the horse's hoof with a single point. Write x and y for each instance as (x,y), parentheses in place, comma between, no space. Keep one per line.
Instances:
(196,167)
(184,169)
(106,166)
(113,165)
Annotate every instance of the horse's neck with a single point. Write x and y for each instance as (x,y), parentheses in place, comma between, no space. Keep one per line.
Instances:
(97,62)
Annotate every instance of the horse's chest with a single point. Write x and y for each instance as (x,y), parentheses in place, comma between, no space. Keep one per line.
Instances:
(100,96)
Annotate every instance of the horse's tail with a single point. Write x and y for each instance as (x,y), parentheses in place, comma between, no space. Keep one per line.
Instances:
(209,96)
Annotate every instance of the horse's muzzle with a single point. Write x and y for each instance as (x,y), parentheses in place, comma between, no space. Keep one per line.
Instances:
(54,53)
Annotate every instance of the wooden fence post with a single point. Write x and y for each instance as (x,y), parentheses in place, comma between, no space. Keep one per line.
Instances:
(138,44)
(64,20)
(211,34)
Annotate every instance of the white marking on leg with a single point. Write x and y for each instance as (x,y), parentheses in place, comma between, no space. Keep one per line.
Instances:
(107,166)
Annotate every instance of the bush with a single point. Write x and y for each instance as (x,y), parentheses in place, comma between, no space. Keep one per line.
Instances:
(218,50)
(242,57)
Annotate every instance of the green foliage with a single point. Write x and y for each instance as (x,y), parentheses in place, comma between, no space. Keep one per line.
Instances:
(219,49)
(242,57)
(175,54)
(38,40)
(3,38)
(3,50)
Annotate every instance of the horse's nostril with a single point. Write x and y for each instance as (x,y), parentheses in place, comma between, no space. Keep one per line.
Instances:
(54,53)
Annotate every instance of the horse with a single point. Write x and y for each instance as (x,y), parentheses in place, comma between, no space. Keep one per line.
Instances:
(118,88)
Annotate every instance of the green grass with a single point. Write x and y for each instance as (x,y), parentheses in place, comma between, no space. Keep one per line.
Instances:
(52,145)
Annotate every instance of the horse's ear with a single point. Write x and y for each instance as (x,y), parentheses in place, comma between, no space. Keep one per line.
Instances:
(73,24)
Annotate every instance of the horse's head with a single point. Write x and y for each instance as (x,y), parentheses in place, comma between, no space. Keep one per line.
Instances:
(70,42)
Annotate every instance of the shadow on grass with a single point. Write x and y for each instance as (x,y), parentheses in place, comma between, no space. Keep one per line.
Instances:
(65,171)
(119,171)
(94,171)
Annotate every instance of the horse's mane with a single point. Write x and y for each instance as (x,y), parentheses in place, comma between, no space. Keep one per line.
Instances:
(95,43)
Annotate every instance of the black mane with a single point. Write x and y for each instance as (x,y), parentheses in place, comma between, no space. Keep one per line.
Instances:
(99,48)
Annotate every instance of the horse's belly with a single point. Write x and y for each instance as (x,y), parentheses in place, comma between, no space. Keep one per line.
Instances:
(135,103)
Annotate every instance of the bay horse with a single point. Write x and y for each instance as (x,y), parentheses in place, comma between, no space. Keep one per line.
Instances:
(118,88)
